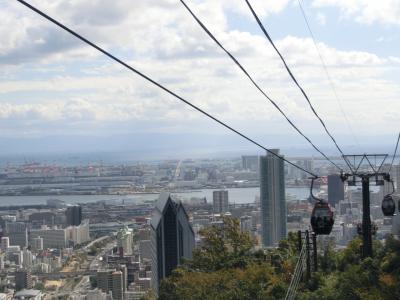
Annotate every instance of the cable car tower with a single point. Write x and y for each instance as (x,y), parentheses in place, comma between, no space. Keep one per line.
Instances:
(360,174)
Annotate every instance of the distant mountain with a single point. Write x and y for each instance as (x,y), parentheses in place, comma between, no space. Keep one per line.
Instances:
(156,146)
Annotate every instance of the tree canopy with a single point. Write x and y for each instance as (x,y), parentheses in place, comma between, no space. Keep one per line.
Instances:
(226,267)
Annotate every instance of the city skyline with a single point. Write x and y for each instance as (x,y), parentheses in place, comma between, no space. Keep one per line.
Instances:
(127,240)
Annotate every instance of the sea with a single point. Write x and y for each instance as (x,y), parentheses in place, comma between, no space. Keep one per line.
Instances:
(236,195)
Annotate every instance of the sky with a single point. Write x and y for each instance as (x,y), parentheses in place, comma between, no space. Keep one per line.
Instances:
(57,94)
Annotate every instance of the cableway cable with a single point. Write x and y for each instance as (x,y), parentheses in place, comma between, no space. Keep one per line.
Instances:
(395,153)
(296,82)
(324,66)
(159,85)
(256,85)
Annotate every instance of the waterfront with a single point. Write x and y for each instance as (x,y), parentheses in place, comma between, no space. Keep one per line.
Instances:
(236,195)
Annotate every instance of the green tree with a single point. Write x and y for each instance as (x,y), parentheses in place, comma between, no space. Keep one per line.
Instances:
(226,268)
(349,256)
(40,286)
(256,281)
(149,296)
(223,247)
(375,278)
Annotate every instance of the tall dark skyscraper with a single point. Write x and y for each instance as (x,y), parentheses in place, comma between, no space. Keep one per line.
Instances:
(272,198)
(74,215)
(335,189)
(172,238)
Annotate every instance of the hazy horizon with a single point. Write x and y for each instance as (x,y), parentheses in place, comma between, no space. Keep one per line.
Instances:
(153,147)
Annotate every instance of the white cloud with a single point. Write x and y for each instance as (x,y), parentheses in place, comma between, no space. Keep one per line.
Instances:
(394,59)
(162,40)
(321,19)
(152,27)
(386,39)
(263,8)
(366,11)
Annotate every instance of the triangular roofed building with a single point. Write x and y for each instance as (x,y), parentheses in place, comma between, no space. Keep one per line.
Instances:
(172,238)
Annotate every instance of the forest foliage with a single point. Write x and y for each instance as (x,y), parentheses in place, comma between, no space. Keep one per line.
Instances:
(226,267)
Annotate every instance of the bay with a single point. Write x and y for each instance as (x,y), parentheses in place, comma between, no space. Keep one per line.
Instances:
(236,195)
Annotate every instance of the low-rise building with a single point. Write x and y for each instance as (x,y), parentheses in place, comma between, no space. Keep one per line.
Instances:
(28,294)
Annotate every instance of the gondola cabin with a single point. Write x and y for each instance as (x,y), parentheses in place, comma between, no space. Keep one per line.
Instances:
(388,206)
(322,218)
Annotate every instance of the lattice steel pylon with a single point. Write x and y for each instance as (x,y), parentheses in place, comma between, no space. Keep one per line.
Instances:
(374,172)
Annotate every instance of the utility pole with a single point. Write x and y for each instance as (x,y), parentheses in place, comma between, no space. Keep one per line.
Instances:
(365,177)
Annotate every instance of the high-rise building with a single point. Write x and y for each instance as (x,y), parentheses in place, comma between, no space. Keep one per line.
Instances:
(255,219)
(272,197)
(42,218)
(23,280)
(2,259)
(124,271)
(250,162)
(295,173)
(14,254)
(117,285)
(104,280)
(78,234)
(125,241)
(335,189)
(172,238)
(5,243)
(18,233)
(220,202)
(145,250)
(307,164)
(245,223)
(74,215)
(113,281)
(37,243)
(52,238)
(27,258)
